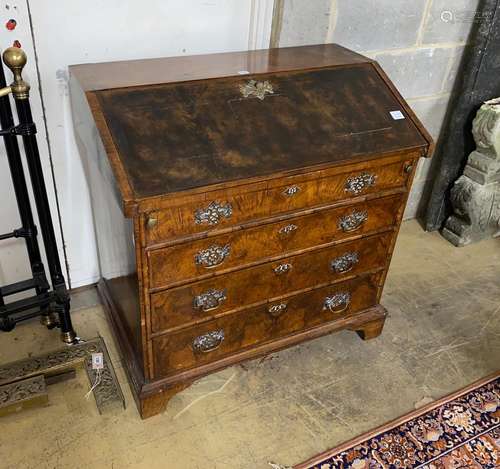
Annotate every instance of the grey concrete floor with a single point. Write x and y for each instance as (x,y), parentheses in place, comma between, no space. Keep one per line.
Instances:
(442,334)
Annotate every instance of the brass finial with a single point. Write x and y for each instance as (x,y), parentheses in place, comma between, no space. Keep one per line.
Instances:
(15,59)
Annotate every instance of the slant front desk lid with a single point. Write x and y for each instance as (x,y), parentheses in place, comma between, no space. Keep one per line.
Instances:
(305,107)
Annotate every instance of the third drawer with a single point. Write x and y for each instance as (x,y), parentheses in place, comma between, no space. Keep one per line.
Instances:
(205,299)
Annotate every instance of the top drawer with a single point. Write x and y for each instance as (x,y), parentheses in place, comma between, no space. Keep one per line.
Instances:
(219,209)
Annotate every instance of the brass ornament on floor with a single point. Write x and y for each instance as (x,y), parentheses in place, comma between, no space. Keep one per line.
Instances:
(24,394)
(18,375)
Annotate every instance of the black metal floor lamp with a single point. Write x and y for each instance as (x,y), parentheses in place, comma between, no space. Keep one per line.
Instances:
(50,301)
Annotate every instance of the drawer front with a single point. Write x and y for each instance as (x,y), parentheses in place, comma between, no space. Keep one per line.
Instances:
(206,257)
(215,339)
(222,211)
(198,301)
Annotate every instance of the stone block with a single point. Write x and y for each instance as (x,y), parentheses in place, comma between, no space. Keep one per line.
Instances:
(450,22)
(419,72)
(365,25)
(304,22)
(432,112)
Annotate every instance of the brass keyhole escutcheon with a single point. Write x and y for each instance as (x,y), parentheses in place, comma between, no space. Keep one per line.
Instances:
(277,310)
(408,168)
(288,229)
(282,269)
(291,191)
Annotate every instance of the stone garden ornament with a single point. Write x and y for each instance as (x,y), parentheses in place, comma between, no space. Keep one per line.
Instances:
(475,196)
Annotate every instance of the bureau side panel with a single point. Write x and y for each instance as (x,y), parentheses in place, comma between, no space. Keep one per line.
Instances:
(114,233)
(412,165)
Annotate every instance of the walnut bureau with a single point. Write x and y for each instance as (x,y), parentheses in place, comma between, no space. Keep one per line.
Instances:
(242,202)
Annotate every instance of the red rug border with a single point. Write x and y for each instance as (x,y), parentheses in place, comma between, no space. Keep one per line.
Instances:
(396,422)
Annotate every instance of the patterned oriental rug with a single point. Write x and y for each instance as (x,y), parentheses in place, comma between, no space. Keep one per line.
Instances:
(457,432)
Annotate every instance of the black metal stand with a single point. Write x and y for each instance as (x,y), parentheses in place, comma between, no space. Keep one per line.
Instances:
(53,305)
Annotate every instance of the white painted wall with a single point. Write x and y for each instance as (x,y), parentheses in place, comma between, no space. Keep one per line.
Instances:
(70,32)
(14,264)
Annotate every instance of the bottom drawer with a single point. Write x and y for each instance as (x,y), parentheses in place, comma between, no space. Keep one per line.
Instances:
(215,339)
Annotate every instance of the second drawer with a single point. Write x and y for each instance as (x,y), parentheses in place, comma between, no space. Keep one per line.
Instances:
(206,257)
(198,301)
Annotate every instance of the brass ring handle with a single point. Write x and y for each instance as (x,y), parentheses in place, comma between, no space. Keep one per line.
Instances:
(342,300)
(213,214)
(282,269)
(291,191)
(208,342)
(277,310)
(353,221)
(213,256)
(209,300)
(345,263)
(357,184)
(288,229)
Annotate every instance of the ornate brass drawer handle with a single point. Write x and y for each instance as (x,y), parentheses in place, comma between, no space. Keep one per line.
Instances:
(291,191)
(345,263)
(337,303)
(208,342)
(212,256)
(282,269)
(277,310)
(286,230)
(354,221)
(209,300)
(357,184)
(213,213)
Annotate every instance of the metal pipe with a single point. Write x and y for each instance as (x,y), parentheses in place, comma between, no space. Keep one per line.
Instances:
(15,59)
(19,183)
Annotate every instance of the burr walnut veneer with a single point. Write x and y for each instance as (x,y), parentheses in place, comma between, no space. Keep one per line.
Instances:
(243,202)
